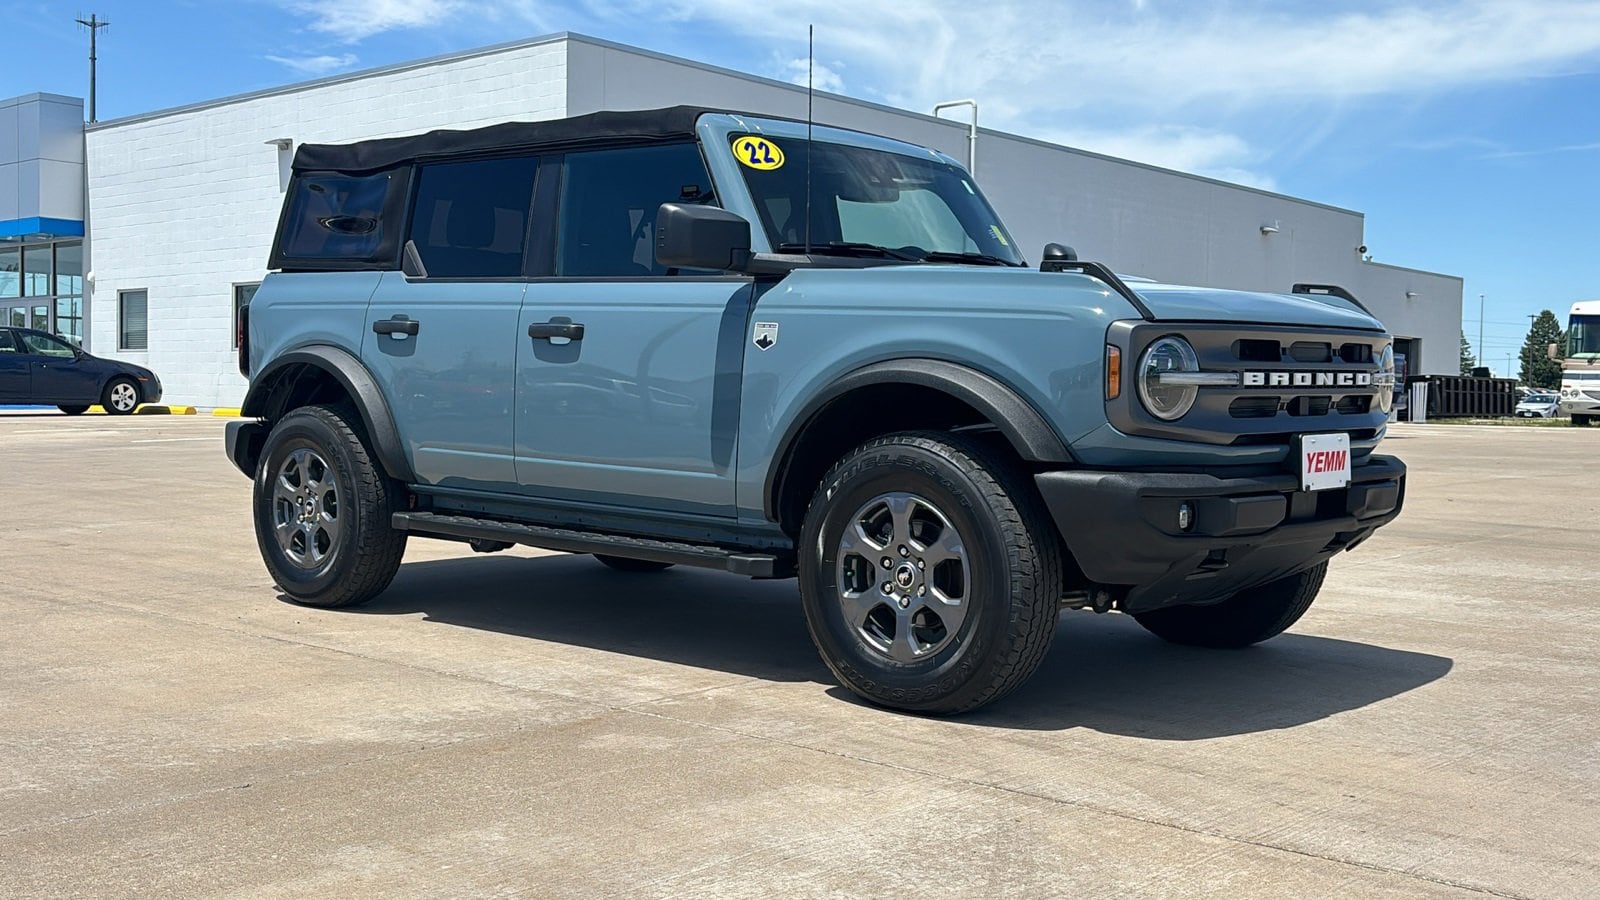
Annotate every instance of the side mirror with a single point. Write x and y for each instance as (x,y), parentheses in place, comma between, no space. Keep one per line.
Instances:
(701,237)
(1054,255)
(1553,351)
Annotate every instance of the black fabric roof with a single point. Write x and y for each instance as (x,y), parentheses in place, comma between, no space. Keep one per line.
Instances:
(671,123)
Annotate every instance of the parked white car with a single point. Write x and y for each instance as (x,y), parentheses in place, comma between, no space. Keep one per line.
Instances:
(1539,405)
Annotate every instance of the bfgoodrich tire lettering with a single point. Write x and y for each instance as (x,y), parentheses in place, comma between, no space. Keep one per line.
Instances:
(1248,617)
(1010,572)
(323,510)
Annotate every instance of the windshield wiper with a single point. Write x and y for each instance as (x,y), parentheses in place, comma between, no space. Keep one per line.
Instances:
(851,248)
(982,259)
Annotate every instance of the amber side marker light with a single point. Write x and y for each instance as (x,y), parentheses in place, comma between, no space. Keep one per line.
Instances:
(1113,372)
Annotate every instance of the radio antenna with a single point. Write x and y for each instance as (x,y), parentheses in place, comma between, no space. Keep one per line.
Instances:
(811,64)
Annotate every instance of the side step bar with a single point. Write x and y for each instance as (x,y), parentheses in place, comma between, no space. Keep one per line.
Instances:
(754,565)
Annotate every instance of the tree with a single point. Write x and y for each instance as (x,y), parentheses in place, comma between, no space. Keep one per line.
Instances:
(1538,369)
(1468,361)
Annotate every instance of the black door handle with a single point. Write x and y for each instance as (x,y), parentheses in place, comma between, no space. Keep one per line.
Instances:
(396,325)
(544,331)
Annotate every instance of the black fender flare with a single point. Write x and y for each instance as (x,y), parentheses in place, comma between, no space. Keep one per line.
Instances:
(358,383)
(1029,433)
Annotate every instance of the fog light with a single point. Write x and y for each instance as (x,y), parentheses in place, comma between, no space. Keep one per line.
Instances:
(1185,516)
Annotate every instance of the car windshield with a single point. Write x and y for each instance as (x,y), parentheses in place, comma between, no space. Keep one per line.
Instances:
(870,203)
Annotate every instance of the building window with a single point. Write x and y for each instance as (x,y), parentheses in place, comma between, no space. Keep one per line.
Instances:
(242,295)
(10,272)
(36,271)
(133,320)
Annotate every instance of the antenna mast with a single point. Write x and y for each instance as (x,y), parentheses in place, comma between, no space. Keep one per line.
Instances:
(94,23)
(811,64)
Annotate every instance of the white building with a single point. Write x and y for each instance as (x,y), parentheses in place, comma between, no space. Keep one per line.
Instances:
(183,203)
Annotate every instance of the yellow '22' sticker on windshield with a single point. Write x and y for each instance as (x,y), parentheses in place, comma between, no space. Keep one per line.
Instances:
(757,153)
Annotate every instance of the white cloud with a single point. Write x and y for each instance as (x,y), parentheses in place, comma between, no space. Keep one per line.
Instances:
(351,21)
(823,77)
(316,65)
(1198,151)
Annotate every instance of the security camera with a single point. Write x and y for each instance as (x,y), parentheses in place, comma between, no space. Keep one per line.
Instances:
(1362,249)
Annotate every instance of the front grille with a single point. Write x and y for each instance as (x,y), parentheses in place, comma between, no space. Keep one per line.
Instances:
(1301,380)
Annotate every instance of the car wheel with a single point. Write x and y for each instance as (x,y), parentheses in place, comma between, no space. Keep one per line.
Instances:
(930,574)
(323,510)
(624,564)
(120,397)
(1248,617)
(1580,421)
(73,410)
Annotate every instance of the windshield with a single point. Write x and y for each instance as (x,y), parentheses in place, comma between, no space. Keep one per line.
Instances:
(870,203)
(1583,337)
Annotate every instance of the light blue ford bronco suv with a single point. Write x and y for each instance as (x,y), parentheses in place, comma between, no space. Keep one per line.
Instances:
(689,337)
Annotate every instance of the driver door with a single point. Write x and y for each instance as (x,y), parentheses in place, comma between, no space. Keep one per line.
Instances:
(58,375)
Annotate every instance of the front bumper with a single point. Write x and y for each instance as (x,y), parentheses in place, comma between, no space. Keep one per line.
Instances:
(1122,527)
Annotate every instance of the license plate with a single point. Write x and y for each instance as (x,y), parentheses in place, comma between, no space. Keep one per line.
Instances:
(1324,461)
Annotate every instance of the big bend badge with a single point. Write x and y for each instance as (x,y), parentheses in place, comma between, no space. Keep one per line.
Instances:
(766,335)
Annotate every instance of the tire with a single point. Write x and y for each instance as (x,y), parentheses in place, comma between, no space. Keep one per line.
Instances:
(624,564)
(915,649)
(1580,421)
(1248,617)
(336,546)
(121,397)
(73,409)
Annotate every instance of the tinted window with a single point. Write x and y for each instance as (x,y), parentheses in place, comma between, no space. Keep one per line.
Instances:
(608,206)
(46,346)
(6,344)
(333,216)
(471,218)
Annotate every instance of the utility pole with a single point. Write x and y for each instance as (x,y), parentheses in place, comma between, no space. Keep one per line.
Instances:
(94,23)
(1480,317)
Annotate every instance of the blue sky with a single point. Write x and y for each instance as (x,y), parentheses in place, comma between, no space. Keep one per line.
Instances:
(1467,131)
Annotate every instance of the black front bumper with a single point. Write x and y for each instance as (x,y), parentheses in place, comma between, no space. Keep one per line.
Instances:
(1122,527)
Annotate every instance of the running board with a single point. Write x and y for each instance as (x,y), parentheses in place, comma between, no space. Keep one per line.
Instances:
(754,565)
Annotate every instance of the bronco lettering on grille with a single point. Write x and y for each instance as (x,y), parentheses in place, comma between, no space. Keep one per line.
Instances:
(1306,379)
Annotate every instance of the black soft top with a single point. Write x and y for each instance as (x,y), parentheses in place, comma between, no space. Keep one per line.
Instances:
(674,123)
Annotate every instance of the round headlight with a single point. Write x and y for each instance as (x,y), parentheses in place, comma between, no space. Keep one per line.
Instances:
(1385,379)
(1169,355)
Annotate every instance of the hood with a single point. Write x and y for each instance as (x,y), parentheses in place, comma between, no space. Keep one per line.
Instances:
(1178,303)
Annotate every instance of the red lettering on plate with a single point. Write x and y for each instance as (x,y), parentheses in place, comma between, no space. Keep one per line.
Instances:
(1319,461)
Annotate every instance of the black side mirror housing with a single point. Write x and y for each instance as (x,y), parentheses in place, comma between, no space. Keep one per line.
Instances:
(1054,255)
(701,237)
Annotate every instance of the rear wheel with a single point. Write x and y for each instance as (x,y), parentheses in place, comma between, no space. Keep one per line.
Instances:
(73,409)
(120,397)
(930,574)
(323,510)
(1580,421)
(624,564)
(1248,617)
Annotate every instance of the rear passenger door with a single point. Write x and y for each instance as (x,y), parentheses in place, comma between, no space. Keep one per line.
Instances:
(629,374)
(443,344)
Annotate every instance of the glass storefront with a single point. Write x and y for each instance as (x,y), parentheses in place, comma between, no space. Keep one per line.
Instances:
(41,286)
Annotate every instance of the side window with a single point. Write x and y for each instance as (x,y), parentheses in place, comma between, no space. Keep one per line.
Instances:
(335,216)
(471,218)
(609,200)
(46,346)
(7,345)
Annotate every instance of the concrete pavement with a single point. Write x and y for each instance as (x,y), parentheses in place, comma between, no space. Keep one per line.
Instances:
(537,725)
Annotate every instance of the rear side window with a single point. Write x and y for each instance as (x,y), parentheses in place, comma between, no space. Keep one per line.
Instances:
(6,344)
(338,218)
(470,219)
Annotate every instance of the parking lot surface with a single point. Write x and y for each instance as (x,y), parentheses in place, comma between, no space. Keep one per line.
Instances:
(529,724)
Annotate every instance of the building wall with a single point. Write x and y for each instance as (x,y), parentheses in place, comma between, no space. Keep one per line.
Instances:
(41,161)
(184,204)
(1138,219)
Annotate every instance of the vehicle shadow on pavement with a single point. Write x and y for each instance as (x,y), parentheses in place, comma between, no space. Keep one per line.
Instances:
(1103,673)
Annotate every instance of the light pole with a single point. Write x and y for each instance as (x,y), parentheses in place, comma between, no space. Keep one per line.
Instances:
(1480,326)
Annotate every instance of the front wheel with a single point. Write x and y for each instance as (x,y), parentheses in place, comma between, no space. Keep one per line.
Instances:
(120,397)
(1248,617)
(323,510)
(929,573)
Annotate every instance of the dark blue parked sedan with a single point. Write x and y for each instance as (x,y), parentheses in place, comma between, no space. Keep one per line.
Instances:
(38,368)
